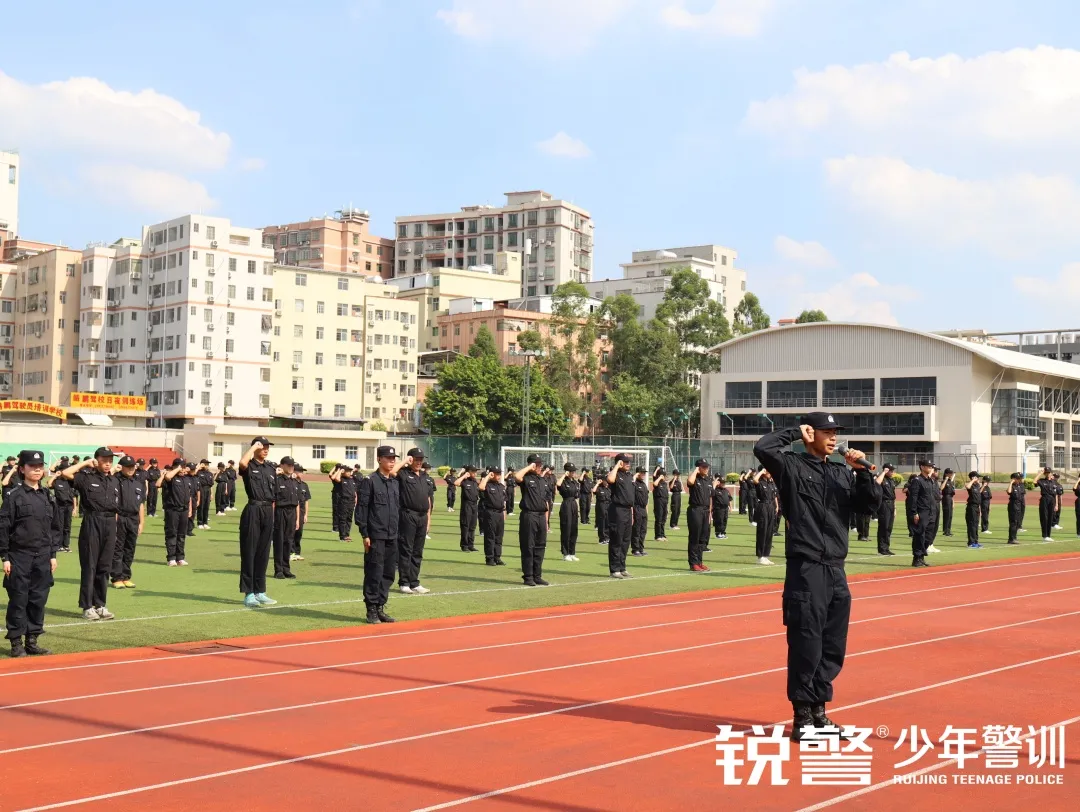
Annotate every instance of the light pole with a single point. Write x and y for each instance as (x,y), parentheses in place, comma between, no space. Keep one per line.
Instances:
(684,416)
(631,418)
(525,405)
(675,437)
(729,417)
(771,423)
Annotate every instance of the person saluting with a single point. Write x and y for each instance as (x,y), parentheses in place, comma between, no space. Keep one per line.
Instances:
(818,497)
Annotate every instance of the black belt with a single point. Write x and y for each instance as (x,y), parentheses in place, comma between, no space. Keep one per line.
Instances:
(89,512)
(416,510)
(537,512)
(129,515)
(280,505)
(259,502)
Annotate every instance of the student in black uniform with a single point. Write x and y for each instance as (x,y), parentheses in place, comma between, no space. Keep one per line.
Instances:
(974,508)
(569,489)
(11,479)
(602,492)
(642,487)
(1057,505)
(230,470)
(493,502)
(256,523)
(205,479)
(415,496)
(470,500)
(585,498)
(984,504)
(301,512)
(481,514)
(511,492)
(675,488)
(751,498)
(817,496)
(909,504)
(348,487)
(286,517)
(378,515)
(29,540)
(1076,507)
(451,489)
(153,482)
(1047,499)
(948,494)
(886,511)
(930,534)
(920,505)
(190,475)
(130,520)
(742,493)
(176,502)
(620,515)
(660,497)
(549,482)
(98,492)
(697,515)
(221,490)
(64,496)
(765,499)
(425,472)
(533,523)
(1015,494)
(721,506)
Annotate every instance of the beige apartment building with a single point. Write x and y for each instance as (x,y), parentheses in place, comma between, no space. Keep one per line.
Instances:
(8,276)
(345,349)
(342,243)
(555,238)
(433,292)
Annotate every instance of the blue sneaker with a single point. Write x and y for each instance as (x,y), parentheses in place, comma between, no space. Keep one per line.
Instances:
(250,601)
(975,546)
(264,599)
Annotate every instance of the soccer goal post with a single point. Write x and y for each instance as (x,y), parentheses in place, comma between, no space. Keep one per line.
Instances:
(587,457)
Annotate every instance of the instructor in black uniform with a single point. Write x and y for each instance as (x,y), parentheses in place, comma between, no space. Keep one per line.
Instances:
(415,495)
(378,515)
(697,516)
(532,533)
(98,494)
(620,515)
(130,520)
(256,523)
(817,496)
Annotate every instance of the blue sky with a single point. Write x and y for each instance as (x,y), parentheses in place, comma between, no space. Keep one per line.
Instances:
(908,161)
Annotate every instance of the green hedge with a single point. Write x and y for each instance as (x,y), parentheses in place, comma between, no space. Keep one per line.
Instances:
(732,479)
(326,466)
(443,470)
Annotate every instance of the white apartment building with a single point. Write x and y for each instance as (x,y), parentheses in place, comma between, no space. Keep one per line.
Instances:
(344,349)
(183,315)
(555,238)
(9,194)
(9,275)
(648,274)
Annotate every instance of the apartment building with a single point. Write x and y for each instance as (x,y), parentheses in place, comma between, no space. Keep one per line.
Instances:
(342,243)
(184,315)
(555,238)
(648,274)
(434,291)
(9,275)
(9,195)
(44,326)
(344,349)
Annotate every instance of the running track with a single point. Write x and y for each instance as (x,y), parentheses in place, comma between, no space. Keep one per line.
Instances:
(605,707)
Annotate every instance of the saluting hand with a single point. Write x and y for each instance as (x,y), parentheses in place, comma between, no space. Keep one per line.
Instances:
(807,434)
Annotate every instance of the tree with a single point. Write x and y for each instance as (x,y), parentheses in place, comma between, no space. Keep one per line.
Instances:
(378,425)
(811,316)
(571,364)
(530,340)
(483,345)
(749,316)
(698,320)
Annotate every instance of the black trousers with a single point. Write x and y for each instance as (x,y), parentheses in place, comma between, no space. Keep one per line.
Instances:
(697,519)
(191,519)
(766,522)
(1023,512)
(204,505)
(481,518)
(719,520)
(127,535)
(862,525)
(910,520)
(602,513)
(1057,515)
(568,527)
(984,513)
(343,518)
(751,504)
(971,517)
(175,534)
(232,493)
(676,509)
(221,497)
(1077,517)
(380,562)
(256,530)
(918,537)
(660,515)
(931,530)
(284,530)
(510,492)
(640,529)
(97,538)
(1046,517)
(412,535)
(817,608)
(28,591)
(742,501)
(493,538)
(1014,521)
(299,536)
(151,500)
(885,519)
(584,506)
(946,516)
(467,519)
(532,538)
(451,497)
(65,524)
(620,526)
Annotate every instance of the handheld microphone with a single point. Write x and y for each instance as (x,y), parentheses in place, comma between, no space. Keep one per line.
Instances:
(842,449)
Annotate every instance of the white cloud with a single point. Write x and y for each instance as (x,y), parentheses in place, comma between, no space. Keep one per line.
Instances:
(859,298)
(1066,287)
(87,116)
(556,24)
(1015,100)
(812,254)
(562,145)
(252,165)
(1011,214)
(146,190)
(728,18)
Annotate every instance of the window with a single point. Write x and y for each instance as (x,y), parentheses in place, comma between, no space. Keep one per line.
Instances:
(1059,431)
(298,304)
(342,335)
(301,280)
(742,395)
(339,410)
(908,391)
(297,383)
(251,294)
(342,284)
(318,452)
(341,360)
(318,384)
(403,231)
(251,266)
(342,309)
(351,452)
(847,392)
(298,331)
(268,294)
(320,307)
(232,263)
(339,384)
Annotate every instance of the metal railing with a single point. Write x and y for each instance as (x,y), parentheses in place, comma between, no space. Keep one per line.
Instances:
(909,400)
(743,403)
(835,402)
(790,403)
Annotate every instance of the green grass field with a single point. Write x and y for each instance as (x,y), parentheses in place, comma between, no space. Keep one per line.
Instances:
(202,601)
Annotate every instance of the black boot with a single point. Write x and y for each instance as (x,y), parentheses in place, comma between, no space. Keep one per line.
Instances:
(383,617)
(802,719)
(32,646)
(373,615)
(817,713)
(17,649)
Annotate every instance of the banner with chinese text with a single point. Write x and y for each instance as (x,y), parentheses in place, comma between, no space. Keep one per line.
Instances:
(98,400)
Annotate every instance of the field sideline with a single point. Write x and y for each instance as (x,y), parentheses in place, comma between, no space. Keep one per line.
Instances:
(202,602)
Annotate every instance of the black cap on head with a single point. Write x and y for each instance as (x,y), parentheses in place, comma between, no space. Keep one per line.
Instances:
(701,463)
(470,469)
(925,463)
(949,471)
(674,471)
(220,465)
(386,451)
(532,459)
(640,470)
(140,461)
(495,470)
(660,472)
(973,474)
(231,462)
(104,453)
(425,466)
(287,461)
(127,461)
(1017,475)
(30,456)
(176,462)
(299,469)
(889,467)
(265,443)
(415,453)
(153,460)
(191,466)
(622,458)
(570,467)
(821,421)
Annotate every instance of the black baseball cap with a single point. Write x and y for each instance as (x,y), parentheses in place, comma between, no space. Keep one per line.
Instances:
(495,470)
(701,462)
(622,458)
(127,461)
(640,470)
(104,453)
(533,459)
(140,461)
(949,471)
(191,466)
(1017,475)
(262,440)
(569,467)
(176,462)
(415,453)
(153,460)
(287,461)
(298,469)
(221,465)
(890,467)
(470,469)
(925,463)
(384,451)
(31,457)
(823,421)
(426,466)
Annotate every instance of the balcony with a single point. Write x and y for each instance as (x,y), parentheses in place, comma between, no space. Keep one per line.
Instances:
(791,403)
(829,403)
(435,247)
(909,400)
(743,403)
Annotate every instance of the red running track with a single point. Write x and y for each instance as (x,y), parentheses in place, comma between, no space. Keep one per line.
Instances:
(603,707)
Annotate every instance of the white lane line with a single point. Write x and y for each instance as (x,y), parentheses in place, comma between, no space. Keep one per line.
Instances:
(960,569)
(532,672)
(933,768)
(494,646)
(701,743)
(528,717)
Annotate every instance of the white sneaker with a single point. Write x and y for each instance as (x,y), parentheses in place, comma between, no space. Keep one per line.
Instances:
(172,563)
(91,614)
(420,590)
(988,532)
(182,563)
(575,558)
(766,562)
(763,560)
(1056,527)
(932,549)
(298,557)
(753,524)
(616,575)
(1047,539)
(405,589)
(104,613)
(1021,530)
(568,558)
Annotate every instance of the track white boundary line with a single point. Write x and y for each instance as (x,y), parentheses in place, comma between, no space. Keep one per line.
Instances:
(528,717)
(495,646)
(701,743)
(488,624)
(550,669)
(933,768)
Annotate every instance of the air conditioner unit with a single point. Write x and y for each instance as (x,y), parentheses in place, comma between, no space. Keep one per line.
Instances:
(213,243)
(378,396)
(404,350)
(404,376)
(146,382)
(295,367)
(109,383)
(209,355)
(210,272)
(209,299)
(210,325)
(112,355)
(136,274)
(44,308)
(114,303)
(208,410)
(209,381)
(370,373)
(277,313)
